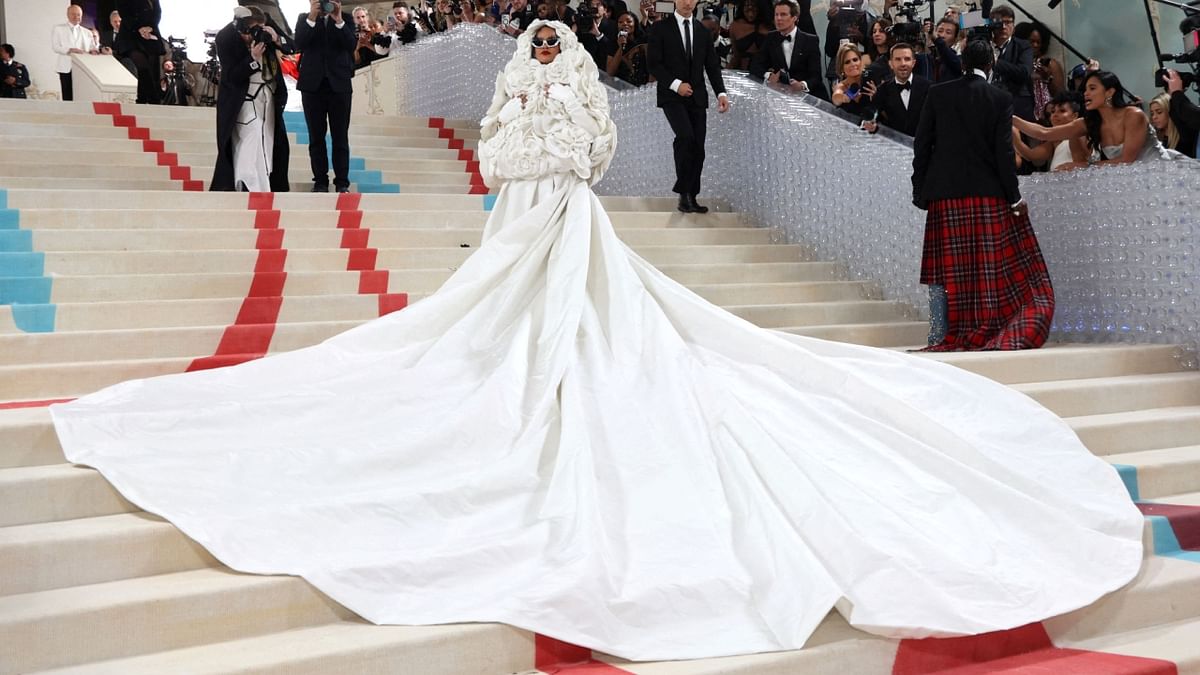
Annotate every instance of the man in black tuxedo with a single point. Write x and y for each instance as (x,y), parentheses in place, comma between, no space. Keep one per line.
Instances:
(900,99)
(108,36)
(326,43)
(790,54)
(679,54)
(1013,70)
(964,175)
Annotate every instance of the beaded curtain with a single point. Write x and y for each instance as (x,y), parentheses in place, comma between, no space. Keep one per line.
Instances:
(1120,241)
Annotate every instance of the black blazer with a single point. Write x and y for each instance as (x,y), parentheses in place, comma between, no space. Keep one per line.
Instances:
(236,70)
(134,15)
(891,106)
(326,53)
(805,65)
(964,144)
(667,62)
(1014,68)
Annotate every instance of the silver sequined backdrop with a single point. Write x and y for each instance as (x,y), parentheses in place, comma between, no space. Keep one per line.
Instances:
(1120,241)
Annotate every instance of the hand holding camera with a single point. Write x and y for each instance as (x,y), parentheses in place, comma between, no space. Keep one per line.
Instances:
(257,50)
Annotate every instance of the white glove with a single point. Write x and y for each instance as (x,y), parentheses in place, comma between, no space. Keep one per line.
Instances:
(510,111)
(563,94)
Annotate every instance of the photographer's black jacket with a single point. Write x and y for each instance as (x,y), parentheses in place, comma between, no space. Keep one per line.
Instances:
(237,65)
(1186,116)
(326,53)
(1013,72)
(805,65)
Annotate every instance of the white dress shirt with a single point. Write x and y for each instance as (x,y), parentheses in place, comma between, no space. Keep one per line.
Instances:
(695,25)
(789,44)
(905,94)
(65,37)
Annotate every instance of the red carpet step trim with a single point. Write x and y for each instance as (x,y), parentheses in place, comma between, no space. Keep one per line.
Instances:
(362,258)
(555,656)
(16,405)
(250,335)
(178,172)
(478,187)
(1184,520)
(1025,651)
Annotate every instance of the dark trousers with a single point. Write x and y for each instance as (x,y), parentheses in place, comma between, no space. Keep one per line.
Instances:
(68,88)
(688,123)
(328,110)
(148,72)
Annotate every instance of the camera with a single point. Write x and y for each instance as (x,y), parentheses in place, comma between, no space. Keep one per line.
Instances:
(327,7)
(909,31)
(1160,78)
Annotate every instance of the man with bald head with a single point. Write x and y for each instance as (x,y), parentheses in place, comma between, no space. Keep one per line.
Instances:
(67,39)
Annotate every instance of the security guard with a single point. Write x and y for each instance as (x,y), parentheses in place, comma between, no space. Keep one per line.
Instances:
(14,77)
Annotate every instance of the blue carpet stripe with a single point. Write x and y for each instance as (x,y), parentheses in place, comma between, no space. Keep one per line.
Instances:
(489,202)
(23,282)
(365,181)
(1128,476)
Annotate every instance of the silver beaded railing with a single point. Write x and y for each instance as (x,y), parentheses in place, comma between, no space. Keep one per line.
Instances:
(1120,241)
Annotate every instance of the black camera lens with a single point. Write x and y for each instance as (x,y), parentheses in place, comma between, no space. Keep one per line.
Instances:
(327,7)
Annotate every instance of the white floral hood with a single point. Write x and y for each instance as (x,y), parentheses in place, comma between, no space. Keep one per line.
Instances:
(544,138)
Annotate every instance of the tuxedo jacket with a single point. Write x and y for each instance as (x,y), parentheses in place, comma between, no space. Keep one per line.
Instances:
(963,145)
(805,64)
(134,15)
(17,88)
(667,62)
(108,38)
(890,105)
(326,53)
(1013,69)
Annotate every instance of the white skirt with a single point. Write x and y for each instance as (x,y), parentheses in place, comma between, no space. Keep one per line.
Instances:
(565,440)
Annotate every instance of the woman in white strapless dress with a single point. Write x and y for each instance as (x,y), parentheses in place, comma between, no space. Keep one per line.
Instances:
(565,440)
(1117,132)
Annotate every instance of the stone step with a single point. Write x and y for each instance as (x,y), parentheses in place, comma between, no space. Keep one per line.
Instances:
(138,200)
(880,334)
(149,171)
(206,119)
(332,259)
(77,350)
(346,646)
(188,240)
(53,492)
(1138,430)
(819,313)
(1095,396)
(66,553)
(38,219)
(1165,590)
(300,183)
(1065,361)
(27,438)
(147,614)
(1164,472)
(1177,642)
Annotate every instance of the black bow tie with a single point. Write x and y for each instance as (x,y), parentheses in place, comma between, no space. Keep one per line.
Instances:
(906,86)
(787,38)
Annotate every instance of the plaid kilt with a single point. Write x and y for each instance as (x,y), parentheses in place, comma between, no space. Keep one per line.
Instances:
(998,291)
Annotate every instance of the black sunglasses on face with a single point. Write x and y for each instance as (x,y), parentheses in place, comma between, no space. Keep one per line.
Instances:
(547,42)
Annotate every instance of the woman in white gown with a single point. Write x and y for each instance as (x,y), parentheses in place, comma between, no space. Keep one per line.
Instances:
(565,440)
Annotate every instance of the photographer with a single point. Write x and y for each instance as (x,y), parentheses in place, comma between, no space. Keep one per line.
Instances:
(517,18)
(596,32)
(629,61)
(944,63)
(365,34)
(325,39)
(789,56)
(1183,112)
(403,29)
(174,86)
(1013,70)
(1049,78)
(252,143)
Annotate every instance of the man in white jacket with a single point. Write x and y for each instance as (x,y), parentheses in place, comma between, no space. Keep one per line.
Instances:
(71,38)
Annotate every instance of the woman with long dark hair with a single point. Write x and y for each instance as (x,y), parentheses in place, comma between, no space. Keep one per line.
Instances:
(1117,132)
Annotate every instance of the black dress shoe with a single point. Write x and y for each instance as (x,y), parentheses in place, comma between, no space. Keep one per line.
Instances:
(685,203)
(696,208)
(317,187)
(345,188)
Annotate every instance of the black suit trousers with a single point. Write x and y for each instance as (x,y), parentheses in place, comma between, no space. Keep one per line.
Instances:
(688,123)
(68,86)
(328,110)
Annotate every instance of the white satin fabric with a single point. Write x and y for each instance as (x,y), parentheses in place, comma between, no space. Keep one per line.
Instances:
(565,440)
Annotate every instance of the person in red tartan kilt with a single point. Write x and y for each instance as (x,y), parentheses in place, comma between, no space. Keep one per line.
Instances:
(979,244)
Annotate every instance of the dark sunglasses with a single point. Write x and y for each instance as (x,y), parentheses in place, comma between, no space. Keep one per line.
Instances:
(547,42)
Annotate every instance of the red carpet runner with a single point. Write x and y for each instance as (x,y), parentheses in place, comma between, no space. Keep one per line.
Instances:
(178,172)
